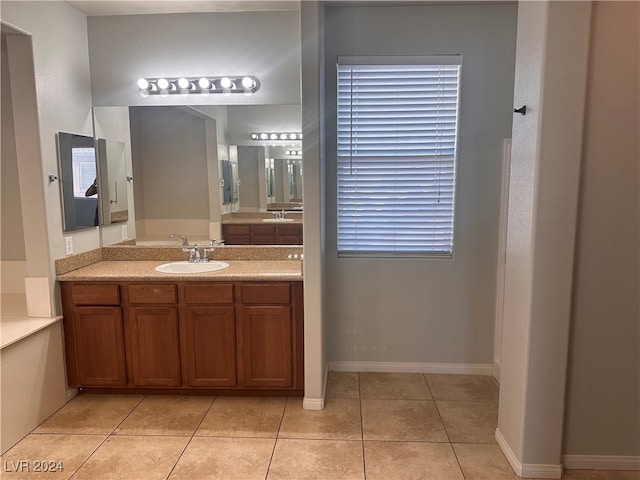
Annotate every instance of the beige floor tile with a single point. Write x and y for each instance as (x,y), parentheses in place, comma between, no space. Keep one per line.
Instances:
(402,420)
(90,414)
(224,458)
(50,456)
(394,386)
(470,388)
(469,422)
(243,417)
(166,415)
(316,460)
(340,420)
(343,385)
(600,475)
(483,462)
(410,461)
(133,457)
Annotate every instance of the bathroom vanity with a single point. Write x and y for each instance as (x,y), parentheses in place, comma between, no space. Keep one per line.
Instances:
(129,328)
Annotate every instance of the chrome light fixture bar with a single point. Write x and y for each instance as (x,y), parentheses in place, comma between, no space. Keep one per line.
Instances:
(202,85)
(276,136)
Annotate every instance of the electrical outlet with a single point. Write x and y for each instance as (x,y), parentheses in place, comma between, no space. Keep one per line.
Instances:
(68,245)
(124,232)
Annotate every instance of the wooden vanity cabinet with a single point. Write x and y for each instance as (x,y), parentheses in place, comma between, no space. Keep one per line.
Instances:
(94,337)
(208,335)
(262,234)
(212,335)
(151,334)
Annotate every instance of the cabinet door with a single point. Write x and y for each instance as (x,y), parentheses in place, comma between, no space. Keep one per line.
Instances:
(210,346)
(263,234)
(155,346)
(100,346)
(265,346)
(289,235)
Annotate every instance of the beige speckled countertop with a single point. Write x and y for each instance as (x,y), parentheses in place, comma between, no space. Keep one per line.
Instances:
(238,270)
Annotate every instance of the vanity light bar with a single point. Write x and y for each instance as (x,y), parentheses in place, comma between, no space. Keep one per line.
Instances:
(293,152)
(275,136)
(202,85)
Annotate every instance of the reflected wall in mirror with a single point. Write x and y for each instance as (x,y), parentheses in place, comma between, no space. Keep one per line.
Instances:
(192,165)
(78,180)
(113,199)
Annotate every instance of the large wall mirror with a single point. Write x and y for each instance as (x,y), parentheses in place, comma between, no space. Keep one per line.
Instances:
(190,155)
(193,166)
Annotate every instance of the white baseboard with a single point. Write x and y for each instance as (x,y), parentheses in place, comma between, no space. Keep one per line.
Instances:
(70,393)
(313,403)
(526,470)
(318,403)
(413,367)
(601,462)
(496,370)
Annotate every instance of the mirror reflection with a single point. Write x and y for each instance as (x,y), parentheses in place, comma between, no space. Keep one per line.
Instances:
(78,179)
(196,169)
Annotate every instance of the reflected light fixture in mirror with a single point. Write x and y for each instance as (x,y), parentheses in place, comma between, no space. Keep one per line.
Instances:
(297,153)
(276,136)
(202,85)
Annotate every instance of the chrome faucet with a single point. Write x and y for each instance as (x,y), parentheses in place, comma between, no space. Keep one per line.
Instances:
(185,242)
(280,214)
(194,253)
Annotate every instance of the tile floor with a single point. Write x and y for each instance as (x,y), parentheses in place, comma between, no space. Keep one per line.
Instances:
(376,426)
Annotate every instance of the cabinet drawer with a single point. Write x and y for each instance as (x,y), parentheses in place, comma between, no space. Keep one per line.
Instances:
(288,229)
(263,229)
(209,293)
(237,229)
(92,294)
(152,293)
(265,294)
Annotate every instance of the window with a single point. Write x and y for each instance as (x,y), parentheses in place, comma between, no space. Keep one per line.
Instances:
(83,164)
(397,126)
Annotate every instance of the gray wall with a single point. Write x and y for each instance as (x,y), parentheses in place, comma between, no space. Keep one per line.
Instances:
(251,174)
(169,160)
(427,310)
(603,391)
(125,48)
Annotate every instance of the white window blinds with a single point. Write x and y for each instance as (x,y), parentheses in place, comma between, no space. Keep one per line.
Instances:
(397,128)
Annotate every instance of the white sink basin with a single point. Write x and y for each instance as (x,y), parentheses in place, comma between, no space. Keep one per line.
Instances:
(277,220)
(186,267)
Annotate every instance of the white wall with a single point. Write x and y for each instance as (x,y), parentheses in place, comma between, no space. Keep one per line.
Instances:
(246,119)
(603,397)
(419,309)
(545,167)
(58,37)
(264,44)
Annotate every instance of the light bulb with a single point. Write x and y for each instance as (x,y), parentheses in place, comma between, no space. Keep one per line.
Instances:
(273,136)
(163,83)
(254,136)
(287,152)
(184,83)
(225,82)
(204,83)
(143,84)
(283,136)
(248,82)
(263,136)
(144,93)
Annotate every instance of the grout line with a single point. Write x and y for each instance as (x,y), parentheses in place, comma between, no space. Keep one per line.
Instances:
(275,441)
(105,438)
(364,460)
(190,439)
